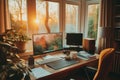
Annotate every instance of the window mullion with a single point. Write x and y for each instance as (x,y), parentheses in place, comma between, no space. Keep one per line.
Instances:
(31,12)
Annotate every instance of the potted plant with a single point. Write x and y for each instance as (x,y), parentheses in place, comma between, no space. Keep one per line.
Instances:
(18,38)
(11,66)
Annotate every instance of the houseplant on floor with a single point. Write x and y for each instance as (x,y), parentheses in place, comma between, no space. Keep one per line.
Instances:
(18,38)
(11,66)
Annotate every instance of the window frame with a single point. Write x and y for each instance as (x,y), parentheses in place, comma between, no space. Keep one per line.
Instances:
(62,10)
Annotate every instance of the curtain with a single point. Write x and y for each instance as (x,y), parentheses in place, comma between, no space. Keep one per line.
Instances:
(4,16)
(105,38)
(105,31)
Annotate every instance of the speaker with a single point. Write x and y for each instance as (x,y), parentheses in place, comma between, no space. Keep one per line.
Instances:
(89,45)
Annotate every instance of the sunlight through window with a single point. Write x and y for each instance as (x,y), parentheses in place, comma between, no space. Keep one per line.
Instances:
(48,16)
(71,18)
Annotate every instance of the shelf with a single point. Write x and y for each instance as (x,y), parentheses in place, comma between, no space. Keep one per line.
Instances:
(118,52)
(118,5)
(116,25)
(117,16)
(117,20)
(118,40)
(117,33)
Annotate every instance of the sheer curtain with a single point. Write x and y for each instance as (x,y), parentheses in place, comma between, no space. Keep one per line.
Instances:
(105,31)
(4,16)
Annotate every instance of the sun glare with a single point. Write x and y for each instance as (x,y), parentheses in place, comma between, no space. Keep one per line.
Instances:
(37,21)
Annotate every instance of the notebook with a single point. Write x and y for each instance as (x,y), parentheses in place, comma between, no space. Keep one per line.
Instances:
(39,72)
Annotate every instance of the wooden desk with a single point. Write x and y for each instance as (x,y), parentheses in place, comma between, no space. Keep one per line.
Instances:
(61,73)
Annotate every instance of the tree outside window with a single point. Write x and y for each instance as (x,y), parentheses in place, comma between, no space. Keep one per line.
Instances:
(47,16)
(93,11)
(71,24)
(18,15)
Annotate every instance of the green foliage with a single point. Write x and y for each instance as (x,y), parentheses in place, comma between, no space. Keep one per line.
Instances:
(14,35)
(91,32)
(11,66)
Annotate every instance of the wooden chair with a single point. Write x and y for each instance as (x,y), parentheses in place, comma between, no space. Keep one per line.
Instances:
(104,65)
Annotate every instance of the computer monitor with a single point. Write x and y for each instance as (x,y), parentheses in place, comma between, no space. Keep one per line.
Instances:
(47,42)
(74,39)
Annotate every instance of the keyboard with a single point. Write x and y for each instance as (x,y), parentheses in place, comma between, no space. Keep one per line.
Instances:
(47,60)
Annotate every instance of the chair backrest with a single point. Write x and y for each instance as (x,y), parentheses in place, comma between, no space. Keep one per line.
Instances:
(105,64)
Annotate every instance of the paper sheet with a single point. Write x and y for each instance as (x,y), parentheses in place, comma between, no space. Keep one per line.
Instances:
(40,72)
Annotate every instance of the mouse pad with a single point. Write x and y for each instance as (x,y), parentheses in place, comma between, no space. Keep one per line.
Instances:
(61,63)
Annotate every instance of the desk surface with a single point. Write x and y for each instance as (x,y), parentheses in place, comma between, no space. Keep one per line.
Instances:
(55,74)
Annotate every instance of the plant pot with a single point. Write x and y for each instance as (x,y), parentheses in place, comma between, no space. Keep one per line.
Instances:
(21,46)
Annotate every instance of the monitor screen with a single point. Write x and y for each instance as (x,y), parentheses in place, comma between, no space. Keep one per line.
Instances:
(47,42)
(74,38)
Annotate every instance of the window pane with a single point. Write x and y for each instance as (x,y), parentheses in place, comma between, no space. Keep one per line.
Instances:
(93,12)
(71,18)
(18,15)
(47,16)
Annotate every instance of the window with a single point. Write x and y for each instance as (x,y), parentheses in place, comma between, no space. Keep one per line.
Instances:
(18,15)
(92,20)
(71,24)
(71,18)
(47,16)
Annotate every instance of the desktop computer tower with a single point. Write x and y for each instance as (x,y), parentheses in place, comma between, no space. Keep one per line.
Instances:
(89,45)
